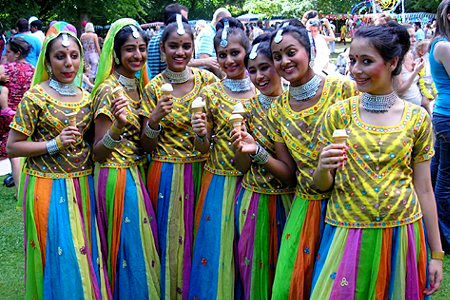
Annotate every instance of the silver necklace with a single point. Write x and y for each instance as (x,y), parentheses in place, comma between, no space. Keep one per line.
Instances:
(177,77)
(378,103)
(266,101)
(238,85)
(130,84)
(305,91)
(63,89)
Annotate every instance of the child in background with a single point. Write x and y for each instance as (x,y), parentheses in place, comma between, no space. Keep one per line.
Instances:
(426,84)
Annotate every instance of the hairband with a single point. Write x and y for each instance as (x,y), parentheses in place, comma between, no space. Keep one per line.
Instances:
(312,47)
(65,40)
(223,39)
(254,52)
(135,33)
(180,29)
(279,36)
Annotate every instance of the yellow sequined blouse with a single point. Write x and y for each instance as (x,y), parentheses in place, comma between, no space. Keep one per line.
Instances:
(375,188)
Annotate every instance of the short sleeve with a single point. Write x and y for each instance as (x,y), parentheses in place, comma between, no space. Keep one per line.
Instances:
(206,45)
(423,144)
(102,102)
(335,118)
(27,114)
(148,101)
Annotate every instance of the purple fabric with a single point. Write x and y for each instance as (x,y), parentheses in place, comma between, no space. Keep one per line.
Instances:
(189,226)
(412,274)
(149,209)
(102,218)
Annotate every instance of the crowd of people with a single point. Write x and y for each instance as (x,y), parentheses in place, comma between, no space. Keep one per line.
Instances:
(215,165)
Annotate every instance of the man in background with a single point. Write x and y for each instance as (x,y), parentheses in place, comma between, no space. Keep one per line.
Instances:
(36,44)
(36,28)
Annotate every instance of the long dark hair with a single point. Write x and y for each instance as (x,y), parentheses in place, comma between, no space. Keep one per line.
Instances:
(19,45)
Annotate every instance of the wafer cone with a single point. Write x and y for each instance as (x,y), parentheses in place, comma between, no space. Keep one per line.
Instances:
(340,137)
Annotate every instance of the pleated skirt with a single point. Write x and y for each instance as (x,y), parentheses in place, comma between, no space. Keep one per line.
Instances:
(174,190)
(63,258)
(299,246)
(260,220)
(127,226)
(213,266)
(375,263)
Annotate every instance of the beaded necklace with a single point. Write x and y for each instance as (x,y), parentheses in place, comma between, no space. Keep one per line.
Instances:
(130,84)
(63,89)
(177,77)
(305,91)
(238,85)
(378,103)
(266,101)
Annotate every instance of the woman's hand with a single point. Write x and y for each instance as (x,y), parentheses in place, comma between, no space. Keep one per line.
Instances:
(119,110)
(198,122)
(419,65)
(243,141)
(68,136)
(435,273)
(162,109)
(332,157)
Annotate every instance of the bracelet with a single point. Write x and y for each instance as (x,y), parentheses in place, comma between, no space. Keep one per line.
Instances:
(438,255)
(109,142)
(52,147)
(261,156)
(152,133)
(115,129)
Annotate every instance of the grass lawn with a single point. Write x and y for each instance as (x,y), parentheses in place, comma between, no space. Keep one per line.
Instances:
(11,251)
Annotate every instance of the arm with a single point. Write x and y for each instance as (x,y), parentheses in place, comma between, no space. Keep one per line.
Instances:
(401,86)
(3,97)
(424,191)
(206,61)
(97,46)
(104,125)
(442,55)
(332,157)
(202,134)
(330,36)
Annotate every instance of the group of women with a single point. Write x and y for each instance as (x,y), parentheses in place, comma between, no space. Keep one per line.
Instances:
(270,209)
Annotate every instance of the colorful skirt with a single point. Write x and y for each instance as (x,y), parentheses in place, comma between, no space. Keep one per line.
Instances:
(213,270)
(127,226)
(375,263)
(299,247)
(174,189)
(61,239)
(260,220)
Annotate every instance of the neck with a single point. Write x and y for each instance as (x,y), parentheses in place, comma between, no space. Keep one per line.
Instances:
(307,77)
(122,72)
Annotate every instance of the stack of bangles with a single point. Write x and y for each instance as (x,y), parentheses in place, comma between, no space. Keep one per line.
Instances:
(108,141)
(261,156)
(54,146)
(152,133)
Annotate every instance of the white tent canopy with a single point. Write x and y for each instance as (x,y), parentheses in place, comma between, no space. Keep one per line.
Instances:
(249,17)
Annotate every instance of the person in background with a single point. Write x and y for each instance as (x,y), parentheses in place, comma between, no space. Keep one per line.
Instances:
(374,243)
(63,259)
(36,28)
(17,73)
(440,166)
(91,48)
(126,217)
(23,31)
(321,63)
(420,34)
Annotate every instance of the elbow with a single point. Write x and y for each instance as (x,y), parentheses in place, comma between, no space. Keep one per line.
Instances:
(10,149)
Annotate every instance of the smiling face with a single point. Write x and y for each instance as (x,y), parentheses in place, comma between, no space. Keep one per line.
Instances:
(291,60)
(133,55)
(231,58)
(372,74)
(178,50)
(64,60)
(264,76)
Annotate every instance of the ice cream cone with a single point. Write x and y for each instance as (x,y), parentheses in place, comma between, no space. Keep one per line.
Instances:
(117,91)
(197,105)
(167,89)
(72,118)
(340,137)
(239,109)
(236,121)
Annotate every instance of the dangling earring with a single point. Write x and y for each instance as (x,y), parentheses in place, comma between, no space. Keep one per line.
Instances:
(49,71)
(311,64)
(116,59)
(163,57)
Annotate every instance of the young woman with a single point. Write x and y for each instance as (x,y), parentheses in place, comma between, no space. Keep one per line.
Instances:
(19,74)
(126,216)
(62,246)
(264,199)
(440,166)
(295,119)
(374,243)
(175,173)
(213,271)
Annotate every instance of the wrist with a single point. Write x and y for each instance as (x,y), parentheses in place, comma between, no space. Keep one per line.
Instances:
(437,255)
(153,124)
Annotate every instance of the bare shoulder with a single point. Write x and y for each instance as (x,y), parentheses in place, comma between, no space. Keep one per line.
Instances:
(442,50)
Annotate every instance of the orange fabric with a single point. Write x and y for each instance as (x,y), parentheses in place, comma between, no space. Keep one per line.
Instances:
(384,271)
(117,221)
(422,260)
(302,273)
(201,200)
(42,193)
(273,242)
(153,179)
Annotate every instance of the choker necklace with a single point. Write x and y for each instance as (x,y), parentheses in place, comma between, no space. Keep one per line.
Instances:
(130,84)
(266,101)
(238,85)
(62,88)
(378,103)
(305,91)
(177,77)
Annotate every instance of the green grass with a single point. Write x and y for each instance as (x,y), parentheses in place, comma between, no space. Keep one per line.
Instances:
(11,251)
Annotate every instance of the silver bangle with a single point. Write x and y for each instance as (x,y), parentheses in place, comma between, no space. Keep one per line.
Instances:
(261,156)
(109,142)
(52,147)
(152,133)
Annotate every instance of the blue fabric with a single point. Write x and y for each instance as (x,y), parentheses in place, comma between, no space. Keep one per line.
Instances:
(205,42)
(131,277)
(154,63)
(440,175)
(442,81)
(36,46)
